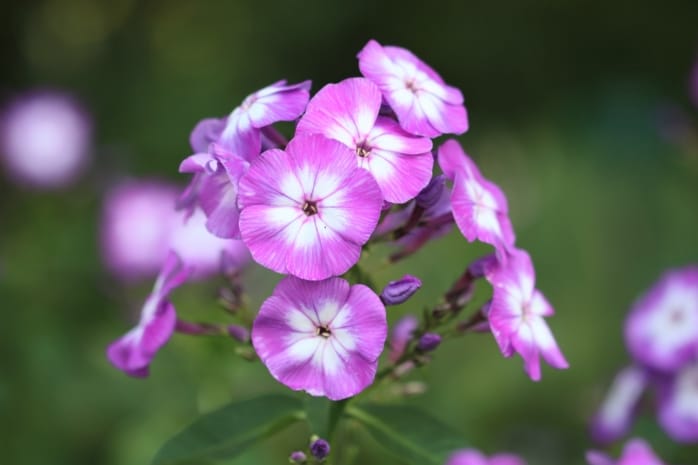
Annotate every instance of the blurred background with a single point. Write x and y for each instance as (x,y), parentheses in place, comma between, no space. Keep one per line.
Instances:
(580,110)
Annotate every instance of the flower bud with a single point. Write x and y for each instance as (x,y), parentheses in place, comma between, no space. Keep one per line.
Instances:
(428,342)
(239,333)
(320,449)
(297,457)
(430,195)
(397,292)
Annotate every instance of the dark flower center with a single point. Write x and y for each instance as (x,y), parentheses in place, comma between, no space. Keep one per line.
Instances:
(412,86)
(363,150)
(323,331)
(310,208)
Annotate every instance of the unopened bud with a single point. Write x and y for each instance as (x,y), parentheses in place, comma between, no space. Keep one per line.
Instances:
(428,342)
(297,457)
(239,333)
(430,195)
(320,449)
(397,292)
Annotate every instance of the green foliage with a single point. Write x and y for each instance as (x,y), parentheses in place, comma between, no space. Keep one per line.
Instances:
(228,431)
(409,433)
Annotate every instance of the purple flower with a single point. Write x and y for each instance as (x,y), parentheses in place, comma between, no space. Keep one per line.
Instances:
(133,352)
(474,457)
(423,103)
(678,406)
(137,219)
(241,135)
(214,188)
(400,336)
(323,337)
(516,315)
(636,452)
(614,417)
(661,330)
(398,292)
(206,132)
(45,139)
(348,112)
(308,210)
(479,206)
(298,457)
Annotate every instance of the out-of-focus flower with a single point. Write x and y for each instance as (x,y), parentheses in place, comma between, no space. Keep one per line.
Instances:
(516,315)
(399,291)
(298,457)
(323,337)
(475,457)
(140,226)
(137,219)
(614,417)
(636,452)
(678,406)
(661,330)
(308,210)
(133,352)
(479,206)
(423,103)
(45,139)
(347,112)
(400,336)
(428,342)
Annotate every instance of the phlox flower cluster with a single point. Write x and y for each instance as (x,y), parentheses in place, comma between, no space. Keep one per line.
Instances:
(661,335)
(362,166)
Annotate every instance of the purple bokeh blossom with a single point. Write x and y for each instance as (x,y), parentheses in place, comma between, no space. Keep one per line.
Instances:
(400,335)
(133,352)
(347,112)
(45,139)
(475,457)
(308,210)
(322,337)
(423,103)
(678,405)
(635,452)
(661,330)
(615,415)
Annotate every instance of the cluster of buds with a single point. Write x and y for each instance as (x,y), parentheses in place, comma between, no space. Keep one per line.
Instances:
(661,334)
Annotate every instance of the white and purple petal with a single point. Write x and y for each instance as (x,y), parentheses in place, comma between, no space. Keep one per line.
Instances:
(323,337)
(678,406)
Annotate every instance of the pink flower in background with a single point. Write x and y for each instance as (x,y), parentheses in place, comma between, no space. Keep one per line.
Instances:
(45,139)
(475,457)
(517,312)
(636,452)
(322,337)
(423,103)
(479,206)
(140,226)
(137,218)
(241,135)
(133,352)
(614,418)
(678,406)
(348,112)
(661,330)
(308,210)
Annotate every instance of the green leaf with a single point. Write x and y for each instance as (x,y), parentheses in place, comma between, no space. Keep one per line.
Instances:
(409,433)
(228,431)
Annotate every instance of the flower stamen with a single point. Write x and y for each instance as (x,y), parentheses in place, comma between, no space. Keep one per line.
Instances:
(323,331)
(310,208)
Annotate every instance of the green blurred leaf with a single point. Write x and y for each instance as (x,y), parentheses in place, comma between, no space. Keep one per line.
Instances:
(409,433)
(318,410)
(226,432)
